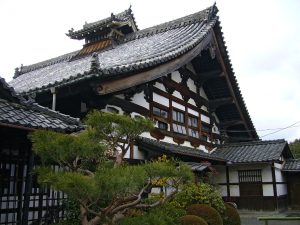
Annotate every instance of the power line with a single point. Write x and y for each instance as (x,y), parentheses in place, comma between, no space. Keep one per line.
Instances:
(284,128)
(243,131)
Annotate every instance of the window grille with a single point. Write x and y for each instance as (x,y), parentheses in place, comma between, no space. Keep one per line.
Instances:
(160,112)
(178,116)
(246,176)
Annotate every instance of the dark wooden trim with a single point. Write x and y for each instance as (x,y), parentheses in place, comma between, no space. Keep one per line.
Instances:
(17,127)
(232,92)
(227,180)
(274,184)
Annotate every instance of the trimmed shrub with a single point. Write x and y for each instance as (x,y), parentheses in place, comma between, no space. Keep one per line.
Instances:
(199,194)
(211,216)
(231,216)
(192,220)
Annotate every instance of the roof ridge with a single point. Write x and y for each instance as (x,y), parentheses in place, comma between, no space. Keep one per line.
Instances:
(11,91)
(256,142)
(172,24)
(25,69)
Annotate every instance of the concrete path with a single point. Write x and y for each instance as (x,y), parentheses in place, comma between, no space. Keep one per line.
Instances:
(250,217)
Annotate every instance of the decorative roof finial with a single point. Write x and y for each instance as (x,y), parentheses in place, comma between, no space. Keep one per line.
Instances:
(95,64)
(129,10)
(212,12)
(113,17)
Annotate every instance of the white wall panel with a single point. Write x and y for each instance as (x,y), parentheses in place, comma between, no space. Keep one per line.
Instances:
(140,100)
(176,77)
(160,99)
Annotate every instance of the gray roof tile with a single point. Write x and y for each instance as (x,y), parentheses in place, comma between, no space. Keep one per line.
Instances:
(32,115)
(139,50)
(168,148)
(256,151)
(292,165)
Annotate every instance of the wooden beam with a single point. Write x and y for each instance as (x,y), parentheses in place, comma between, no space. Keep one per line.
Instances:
(226,124)
(216,103)
(224,68)
(122,83)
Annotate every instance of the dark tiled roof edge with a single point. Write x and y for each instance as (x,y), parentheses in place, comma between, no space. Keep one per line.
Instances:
(11,91)
(48,62)
(233,79)
(184,149)
(177,23)
(292,165)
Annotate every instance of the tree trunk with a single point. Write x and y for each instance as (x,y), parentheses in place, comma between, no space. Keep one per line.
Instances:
(83,216)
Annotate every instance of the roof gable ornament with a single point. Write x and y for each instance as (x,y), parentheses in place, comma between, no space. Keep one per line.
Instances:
(95,64)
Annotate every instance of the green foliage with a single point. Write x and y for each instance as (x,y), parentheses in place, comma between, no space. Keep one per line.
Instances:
(231,216)
(192,220)
(199,194)
(163,215)
(208,213)
(87,175)
(62,148)
(295,148)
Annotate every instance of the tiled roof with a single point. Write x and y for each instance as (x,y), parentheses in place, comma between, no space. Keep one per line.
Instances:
(168,148)
(292,165)
(256,151)
(198,167)
(140,50)
(89,27)
(31,115)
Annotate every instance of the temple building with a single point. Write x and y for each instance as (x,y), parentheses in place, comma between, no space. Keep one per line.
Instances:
(178,74)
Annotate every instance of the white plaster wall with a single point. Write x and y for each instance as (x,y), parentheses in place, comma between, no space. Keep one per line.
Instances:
(160,86)
(281,189)
(121,112)
(137,154)
(266,174)
(202,93)
(234,190)
(140,100)
(223,190)
(205,119)
(204,108)
(160,99)
(193,112)
(191,85)
(192,102)
(216,117)
(215,129)
(187,144)
(175,76)
(233,175)
(147,135)
(169,140)
(178,106)
(134,114)
(220,177)
(268,190)
(280,177)
(202,147)
(177,95)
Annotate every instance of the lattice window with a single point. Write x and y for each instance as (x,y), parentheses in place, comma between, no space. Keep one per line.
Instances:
(249,176)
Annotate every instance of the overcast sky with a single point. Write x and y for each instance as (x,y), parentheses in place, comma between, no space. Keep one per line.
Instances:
(262,37)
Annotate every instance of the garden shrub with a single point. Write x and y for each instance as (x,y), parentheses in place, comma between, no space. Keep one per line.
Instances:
(231,216)
(192,220)
(199,194)
(211,216)
(163,215)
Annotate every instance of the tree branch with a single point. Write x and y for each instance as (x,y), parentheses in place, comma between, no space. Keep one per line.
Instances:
(131,204)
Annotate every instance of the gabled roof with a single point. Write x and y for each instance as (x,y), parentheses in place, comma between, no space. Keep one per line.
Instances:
(138,51)
(126,15)
(161,147)
(15,111)
(256,151)
(291,165)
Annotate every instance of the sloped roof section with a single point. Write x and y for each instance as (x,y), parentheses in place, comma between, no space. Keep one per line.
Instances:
(138,51)
(292,165)
(14,110)
(256,151)
(171,149)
